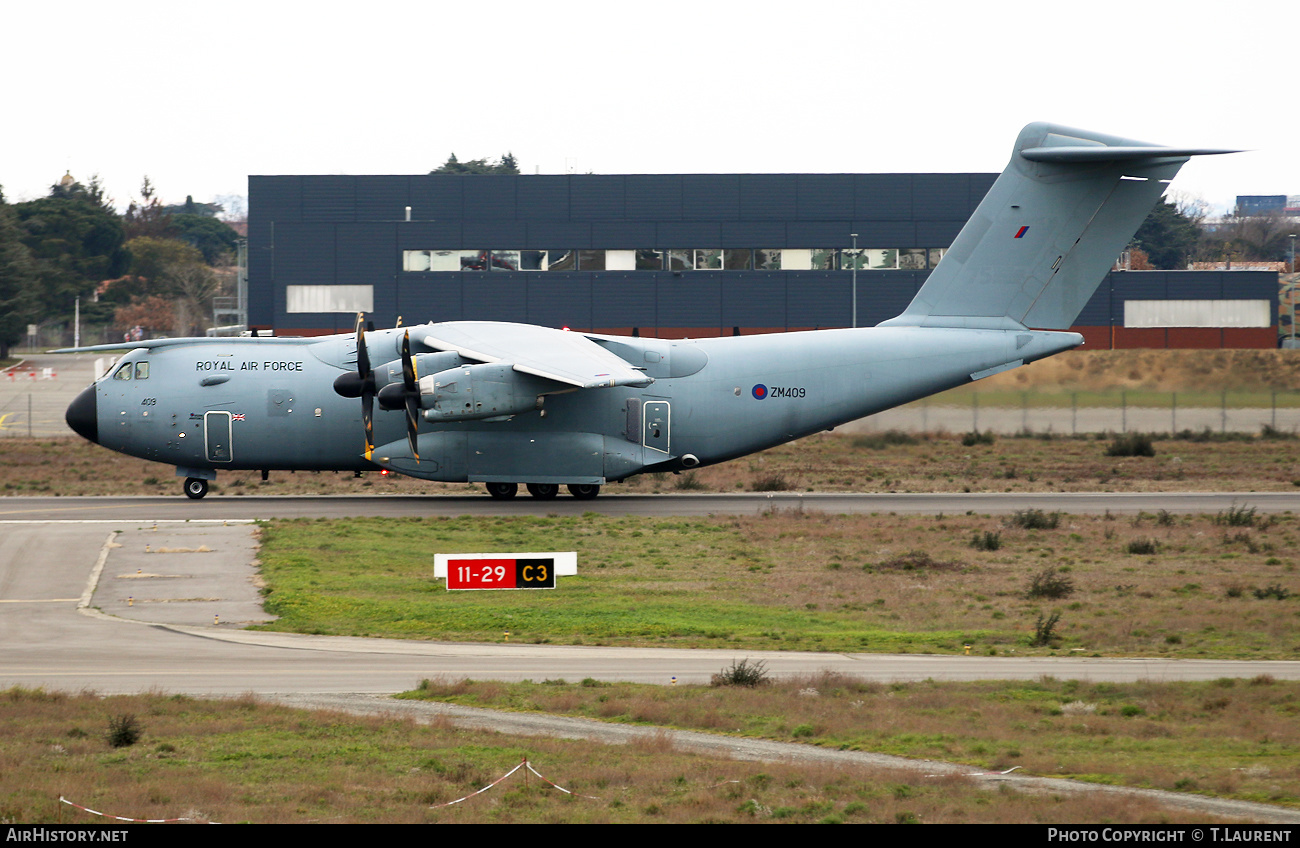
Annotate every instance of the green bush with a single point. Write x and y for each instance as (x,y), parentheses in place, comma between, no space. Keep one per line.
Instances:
(123,731)
(742,673)
(1131,444)
(1049,583)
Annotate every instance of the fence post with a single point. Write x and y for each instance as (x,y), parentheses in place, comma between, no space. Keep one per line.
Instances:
(1173,415)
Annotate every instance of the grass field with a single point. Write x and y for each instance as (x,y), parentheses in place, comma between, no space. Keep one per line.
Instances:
(246,761)
(1220,586)
(1231,738)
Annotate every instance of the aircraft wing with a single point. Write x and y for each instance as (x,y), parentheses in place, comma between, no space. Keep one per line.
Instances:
(559,355)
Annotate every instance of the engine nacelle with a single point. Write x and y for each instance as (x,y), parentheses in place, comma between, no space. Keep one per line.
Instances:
(480,391)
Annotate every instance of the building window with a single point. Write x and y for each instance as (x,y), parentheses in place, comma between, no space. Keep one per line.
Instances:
(561,260)
(912,259)
(681,260)
(823,259)
(330,299)
(737,260)
(591,260)
(708,260)
(649,260)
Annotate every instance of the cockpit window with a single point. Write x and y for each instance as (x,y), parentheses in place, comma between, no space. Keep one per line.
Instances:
(123,373)
(142,370)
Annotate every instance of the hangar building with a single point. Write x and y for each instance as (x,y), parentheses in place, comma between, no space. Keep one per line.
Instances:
(668,255)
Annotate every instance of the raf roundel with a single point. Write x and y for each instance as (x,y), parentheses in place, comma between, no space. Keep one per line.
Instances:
(759,392)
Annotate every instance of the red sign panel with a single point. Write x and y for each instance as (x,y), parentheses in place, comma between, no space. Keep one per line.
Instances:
(508,573)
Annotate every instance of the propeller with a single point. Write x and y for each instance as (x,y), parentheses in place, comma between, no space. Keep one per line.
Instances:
(361,384)
(410,383)
(406,394)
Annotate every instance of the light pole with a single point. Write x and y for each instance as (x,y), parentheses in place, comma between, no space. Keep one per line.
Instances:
(854,254)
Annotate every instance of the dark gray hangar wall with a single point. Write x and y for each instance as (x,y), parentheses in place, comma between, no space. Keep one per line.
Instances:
(314,231)
(351,230)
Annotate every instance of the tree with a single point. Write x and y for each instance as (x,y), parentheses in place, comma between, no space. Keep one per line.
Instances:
(1167,236)
(507,164)
(76,242)
(18,281)
(213,238)
(164,271)
(148,217)
(189,207)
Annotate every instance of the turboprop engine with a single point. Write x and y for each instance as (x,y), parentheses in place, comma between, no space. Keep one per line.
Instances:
(471,392)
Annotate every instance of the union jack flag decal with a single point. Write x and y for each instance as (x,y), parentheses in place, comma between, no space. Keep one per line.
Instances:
(238,416)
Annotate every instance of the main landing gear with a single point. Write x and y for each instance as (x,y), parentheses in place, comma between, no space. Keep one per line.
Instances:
(543,491)
(195,487)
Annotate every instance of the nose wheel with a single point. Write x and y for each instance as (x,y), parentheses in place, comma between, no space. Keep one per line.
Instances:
(195,487)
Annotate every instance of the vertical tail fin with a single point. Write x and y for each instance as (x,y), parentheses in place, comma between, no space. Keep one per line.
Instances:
(1047,232)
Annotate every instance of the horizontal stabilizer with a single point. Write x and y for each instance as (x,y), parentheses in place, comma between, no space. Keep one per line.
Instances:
(1047,232)
(1115,154)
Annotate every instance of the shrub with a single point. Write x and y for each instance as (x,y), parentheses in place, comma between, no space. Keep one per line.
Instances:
(1035,519)
(974,438)
(1236,516)
(688,482)
(123,731)
(887,439)
(1131,444)
(915,561)
(1044,630)
(743,673)
(771,483)
(1049,583)
(1143,547)
(1273,590)
(989,540)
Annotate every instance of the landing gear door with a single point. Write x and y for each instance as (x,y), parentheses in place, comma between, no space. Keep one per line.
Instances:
(654,431)
(216,434)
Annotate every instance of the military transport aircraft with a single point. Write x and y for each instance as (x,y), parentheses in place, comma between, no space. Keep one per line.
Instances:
(505,404)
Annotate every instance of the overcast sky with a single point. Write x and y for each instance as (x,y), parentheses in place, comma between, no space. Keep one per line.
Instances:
(199,96)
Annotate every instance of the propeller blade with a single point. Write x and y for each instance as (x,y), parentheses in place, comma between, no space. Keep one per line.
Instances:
(368,417)
(363,355)
(367,377)
(410,381)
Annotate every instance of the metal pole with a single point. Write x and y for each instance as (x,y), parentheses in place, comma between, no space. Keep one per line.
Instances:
(855,280)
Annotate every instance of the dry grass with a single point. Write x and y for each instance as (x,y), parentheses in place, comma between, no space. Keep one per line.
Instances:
(236,761)
(1232,738)
(829,462)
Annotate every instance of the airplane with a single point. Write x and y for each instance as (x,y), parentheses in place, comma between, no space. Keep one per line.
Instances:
(507,404)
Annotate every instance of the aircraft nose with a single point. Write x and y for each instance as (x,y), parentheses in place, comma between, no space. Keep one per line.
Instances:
(82,415)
